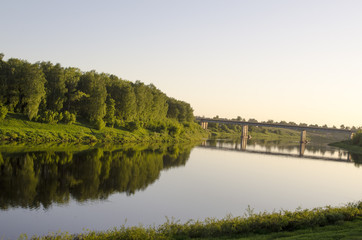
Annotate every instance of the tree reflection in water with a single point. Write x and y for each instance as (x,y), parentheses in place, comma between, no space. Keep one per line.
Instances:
(42,178)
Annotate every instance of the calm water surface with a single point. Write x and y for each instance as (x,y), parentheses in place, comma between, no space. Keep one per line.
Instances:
(99,188)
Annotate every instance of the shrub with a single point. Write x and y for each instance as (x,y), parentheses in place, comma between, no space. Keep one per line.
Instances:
(119,123)
(159,127)
(50,117)
(69,118)
(174,129)
(3,112)
(99,124)
(357,138)
(224,128)
(132,126)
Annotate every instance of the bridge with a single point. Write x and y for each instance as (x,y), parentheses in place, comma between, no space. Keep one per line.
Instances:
(243,148)
(244,133)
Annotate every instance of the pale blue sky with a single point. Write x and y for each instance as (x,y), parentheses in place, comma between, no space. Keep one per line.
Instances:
(287,60)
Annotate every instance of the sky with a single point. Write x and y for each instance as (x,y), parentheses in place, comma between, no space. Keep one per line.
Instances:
(297,61)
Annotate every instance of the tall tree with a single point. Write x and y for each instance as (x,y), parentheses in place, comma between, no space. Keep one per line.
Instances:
(3,83)
(144,100)
(73,94)
(55,85)
(127,105)
(110,111)
(159,106)
(11,75)
(32,88)
(93,84)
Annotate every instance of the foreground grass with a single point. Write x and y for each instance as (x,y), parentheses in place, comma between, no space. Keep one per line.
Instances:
(341,230)
(320,223)
(16,128)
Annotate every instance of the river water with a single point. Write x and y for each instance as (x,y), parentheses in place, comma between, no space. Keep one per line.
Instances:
(74,188)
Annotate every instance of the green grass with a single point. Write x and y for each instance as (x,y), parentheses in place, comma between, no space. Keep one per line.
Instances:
(16,128)
(320,223)
(347,145)
(341,230)
(270,134)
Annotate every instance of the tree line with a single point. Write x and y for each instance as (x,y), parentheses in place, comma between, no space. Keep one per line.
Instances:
(253,120)
(48,92)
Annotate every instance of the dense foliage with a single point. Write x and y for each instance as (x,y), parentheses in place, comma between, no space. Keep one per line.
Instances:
(357,139)
(47,93)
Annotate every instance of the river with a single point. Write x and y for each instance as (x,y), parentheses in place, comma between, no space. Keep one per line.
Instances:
(74,188)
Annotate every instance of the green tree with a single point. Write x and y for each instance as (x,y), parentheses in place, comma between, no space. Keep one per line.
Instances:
(32,88)
(73,94)
(127,106)
(3,80)
(93,107)
(10,76)
(55,85)
(3,112)
(179,110)
(110,111)
(159,107)
(144,100)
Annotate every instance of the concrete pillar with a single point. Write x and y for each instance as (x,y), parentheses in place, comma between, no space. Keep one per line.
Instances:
(303,136)
(244,131)
(301,149)
(204,125)
(244,142)
(349,157)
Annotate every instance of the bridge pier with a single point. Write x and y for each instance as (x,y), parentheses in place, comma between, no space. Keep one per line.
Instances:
(244,136)
(245,131)
(244,142)
(303,136)
(301,149)
(204,125)
(349,157)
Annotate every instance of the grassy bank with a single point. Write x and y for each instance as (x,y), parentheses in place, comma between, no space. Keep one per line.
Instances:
(255,132)
(16,128)
(302,223)
(222,131)
(347,145)
(354,145)
(341,230)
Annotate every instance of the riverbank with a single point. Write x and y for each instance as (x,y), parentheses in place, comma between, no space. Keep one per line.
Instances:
(223,131)
(347,145)
(16,128)
(318,223)
(269,134)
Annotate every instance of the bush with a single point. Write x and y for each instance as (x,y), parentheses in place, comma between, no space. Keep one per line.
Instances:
(99,124)
(174,129)
(357,139)
(3,112)
(224,128)
(50,117)
(119,123)
(132,126)
(69,118)
(159,127)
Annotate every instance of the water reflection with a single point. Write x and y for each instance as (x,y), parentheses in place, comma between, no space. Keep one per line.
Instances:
(317,150)
(30,179)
